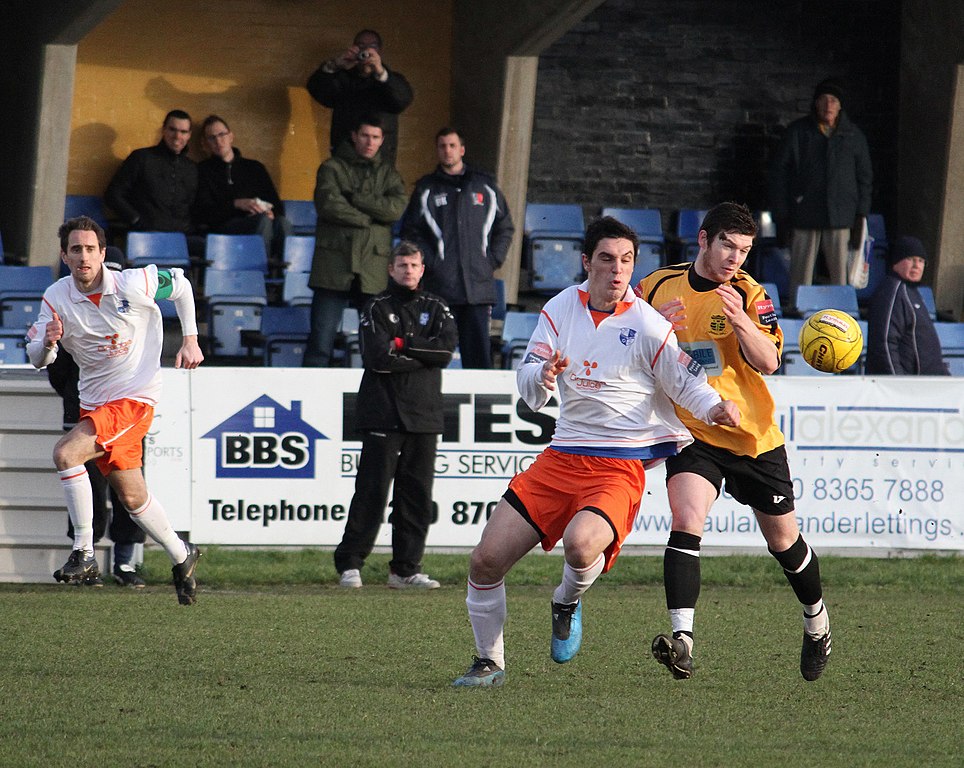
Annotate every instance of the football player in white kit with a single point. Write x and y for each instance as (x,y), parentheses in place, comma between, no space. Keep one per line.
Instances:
(110,324)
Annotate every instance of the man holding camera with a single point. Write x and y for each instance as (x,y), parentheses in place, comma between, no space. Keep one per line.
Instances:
(356,83)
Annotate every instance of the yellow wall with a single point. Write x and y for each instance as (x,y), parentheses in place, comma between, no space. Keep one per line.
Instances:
(248,60)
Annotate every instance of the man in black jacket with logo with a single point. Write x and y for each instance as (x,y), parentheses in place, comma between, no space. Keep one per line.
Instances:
(460,220)
(407,337)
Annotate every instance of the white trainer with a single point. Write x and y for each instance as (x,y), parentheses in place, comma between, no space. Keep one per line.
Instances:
(351,579)
(415,581)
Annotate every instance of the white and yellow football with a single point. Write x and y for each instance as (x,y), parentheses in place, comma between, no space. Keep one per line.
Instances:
(831,341)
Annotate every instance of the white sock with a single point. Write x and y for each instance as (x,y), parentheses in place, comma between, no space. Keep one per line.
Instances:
(575,581)
(816,620)
(80,505)
(681,619)
(487,612)
(152,519)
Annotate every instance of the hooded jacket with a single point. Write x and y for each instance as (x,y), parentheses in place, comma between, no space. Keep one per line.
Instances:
(357,201)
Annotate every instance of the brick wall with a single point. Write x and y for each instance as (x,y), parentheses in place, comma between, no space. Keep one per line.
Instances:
(670,105)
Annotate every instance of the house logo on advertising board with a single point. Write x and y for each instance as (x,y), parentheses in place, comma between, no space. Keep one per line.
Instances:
(265,440)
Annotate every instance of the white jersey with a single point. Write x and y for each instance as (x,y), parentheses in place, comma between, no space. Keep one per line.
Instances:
(615,393)
(116,345)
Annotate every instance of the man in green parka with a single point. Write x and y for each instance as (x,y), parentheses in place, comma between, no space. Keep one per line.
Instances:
(358,197)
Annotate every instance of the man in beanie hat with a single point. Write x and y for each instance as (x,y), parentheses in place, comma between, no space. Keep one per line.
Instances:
(820,184)
(901,336)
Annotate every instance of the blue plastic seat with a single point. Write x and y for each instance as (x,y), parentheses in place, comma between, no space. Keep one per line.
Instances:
(812,298)
(236,252)
(295,291)
(688,221)
(13,346)
(284,335)
(165,249)
(85,205)
(516,332)
(302,215)
(21,291)
(927,294)
(553,246)
(235,301)
(299,252)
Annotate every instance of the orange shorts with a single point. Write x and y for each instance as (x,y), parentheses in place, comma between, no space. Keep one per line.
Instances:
(121,426)
(558,485)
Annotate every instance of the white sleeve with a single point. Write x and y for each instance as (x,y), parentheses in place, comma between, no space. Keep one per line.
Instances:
(39,355)
(182,294)
(528,375)
(683,379)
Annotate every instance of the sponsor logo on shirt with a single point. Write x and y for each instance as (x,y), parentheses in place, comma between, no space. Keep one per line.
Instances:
(584,382)
(114,346)
(765,312)
(477,198)
(717,325)
(441,199)
(627,336)
(692,367)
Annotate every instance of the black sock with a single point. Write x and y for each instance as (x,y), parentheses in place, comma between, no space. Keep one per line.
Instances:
(802,569)
(681,570)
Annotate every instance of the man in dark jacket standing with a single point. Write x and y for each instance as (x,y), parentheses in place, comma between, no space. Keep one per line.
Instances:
(901,336)
(407,337)
(820,187)
(236,195)
(154,188)
(358,198)
(460,220)
(357,83)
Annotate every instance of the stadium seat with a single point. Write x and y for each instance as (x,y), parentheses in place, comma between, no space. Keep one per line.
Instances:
(282,336)
(347,349)
(648,226)
(85,205)
(235,301)
(927,294)
(688,222)
(236,252)
(21,291)
(299,252)
(13,346)
(951,336)
(774,294)
(302,215)
(165,249)
(553,246)
(811,298)
(295,291)
(516,331)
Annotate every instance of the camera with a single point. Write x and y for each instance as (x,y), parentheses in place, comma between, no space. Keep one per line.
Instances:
(364,54)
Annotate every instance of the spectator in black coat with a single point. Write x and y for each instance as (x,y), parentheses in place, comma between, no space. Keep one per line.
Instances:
(235,194)
(901,335)
(356,82)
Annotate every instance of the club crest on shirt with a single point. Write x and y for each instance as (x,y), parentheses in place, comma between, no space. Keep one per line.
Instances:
(627,336)
(692,367)
(392,317)
(423,318)
(442,198)
(123,307)
(478,199)
(717,325)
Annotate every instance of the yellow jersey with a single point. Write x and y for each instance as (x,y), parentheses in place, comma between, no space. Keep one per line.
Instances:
(710,340)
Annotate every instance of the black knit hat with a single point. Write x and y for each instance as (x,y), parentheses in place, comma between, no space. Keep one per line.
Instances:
(904,248)
(831,86)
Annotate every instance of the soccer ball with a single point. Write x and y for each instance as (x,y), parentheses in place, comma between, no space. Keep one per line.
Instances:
(831,341)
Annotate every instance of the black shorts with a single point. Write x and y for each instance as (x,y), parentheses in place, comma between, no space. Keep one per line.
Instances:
(762,483)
